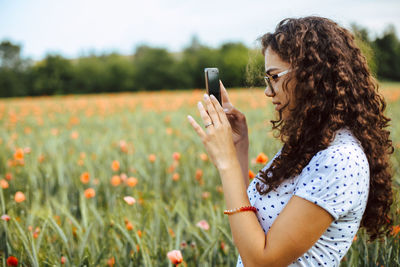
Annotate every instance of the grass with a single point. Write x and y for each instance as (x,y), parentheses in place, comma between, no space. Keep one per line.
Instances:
(60,138)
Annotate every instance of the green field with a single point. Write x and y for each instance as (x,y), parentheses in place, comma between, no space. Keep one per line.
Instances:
(52,149)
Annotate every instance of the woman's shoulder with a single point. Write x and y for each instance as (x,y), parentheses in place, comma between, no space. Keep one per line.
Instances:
(344,146)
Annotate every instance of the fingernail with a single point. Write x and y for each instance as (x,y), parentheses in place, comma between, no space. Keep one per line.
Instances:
(189,117)
(205,96)
(226,110)
(199,104)
(213,97)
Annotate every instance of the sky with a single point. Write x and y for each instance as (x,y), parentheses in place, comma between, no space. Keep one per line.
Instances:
(75,28)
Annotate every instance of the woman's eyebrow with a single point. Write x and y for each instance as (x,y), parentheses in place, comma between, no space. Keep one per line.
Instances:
(268,71)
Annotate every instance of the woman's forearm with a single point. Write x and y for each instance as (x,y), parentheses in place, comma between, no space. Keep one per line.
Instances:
(242,153)
(247,234)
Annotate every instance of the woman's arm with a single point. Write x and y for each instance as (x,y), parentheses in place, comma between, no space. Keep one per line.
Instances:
(294,231)
(242,153)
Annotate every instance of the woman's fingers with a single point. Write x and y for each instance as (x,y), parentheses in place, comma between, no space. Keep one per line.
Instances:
(197,127)
(212,112)
(219,110)
(224,97)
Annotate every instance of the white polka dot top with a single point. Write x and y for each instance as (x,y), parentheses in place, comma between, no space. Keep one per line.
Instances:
(336,179)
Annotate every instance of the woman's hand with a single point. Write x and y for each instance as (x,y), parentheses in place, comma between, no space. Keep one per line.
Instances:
(236,118)
(217,137)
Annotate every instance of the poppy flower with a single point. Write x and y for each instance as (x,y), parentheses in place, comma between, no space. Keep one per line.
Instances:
(74,135)
(5,217)
(12,261)
(85,177)
(152,157)
(111,262)
(129,226)
(251,174)
(115,165)
(175,256)
(262,158)
(115,180)
(203,224)
(199,174)
(8,176)
(123,177)
(123,146)
(89,193)
(395,230)
(169,130)
(63,259)
(130,200)
(203,156)
(131,181)
(19,197)
(19,154)
(3,184)
(175,176)
(176,155)
(205,194)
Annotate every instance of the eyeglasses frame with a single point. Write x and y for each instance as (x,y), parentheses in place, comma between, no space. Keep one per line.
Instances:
(268,78)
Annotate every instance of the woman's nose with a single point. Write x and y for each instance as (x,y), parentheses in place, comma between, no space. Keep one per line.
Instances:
(268,92)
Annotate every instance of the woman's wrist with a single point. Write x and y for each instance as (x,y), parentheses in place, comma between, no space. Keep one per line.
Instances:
(242,143)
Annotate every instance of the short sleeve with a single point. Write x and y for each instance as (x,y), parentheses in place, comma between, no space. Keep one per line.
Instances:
(334,179)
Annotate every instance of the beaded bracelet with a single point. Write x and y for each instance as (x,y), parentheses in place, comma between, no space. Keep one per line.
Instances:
(245,208)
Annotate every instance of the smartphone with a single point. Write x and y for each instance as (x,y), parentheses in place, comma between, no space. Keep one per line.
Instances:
(212,83)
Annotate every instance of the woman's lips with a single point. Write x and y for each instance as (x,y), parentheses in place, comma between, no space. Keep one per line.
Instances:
(277,105)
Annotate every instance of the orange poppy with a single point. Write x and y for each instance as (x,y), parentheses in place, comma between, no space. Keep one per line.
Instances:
(203,156)
(251,174)
(3,183)
(262,158)
(175,176)
(152,157)
(89,193)
(176,155)
(129,226)
(115,180)
(85,177)
(111,262)
(8,176)
(19,197)
(199,174)
(19,154)
(395,230)
(74,135)
(115,165)
(131,181)
(205,195)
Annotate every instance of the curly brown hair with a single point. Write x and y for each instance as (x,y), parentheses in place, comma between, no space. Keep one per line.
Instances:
(336,90)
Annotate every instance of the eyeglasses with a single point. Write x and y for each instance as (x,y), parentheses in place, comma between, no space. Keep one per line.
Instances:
(268,78)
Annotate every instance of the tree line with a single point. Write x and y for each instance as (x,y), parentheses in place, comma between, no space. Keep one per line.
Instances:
(154,68)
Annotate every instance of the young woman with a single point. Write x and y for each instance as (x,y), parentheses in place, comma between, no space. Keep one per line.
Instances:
(332,174)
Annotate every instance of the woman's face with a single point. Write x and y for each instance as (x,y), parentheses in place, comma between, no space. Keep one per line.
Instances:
(274,65)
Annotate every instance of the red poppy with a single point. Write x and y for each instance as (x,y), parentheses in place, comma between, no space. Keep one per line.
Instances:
(12,261)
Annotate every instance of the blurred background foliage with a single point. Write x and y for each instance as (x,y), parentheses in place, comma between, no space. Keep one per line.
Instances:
(155,68)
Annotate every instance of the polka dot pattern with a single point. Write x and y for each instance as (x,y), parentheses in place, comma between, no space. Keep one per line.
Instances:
(336,179)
